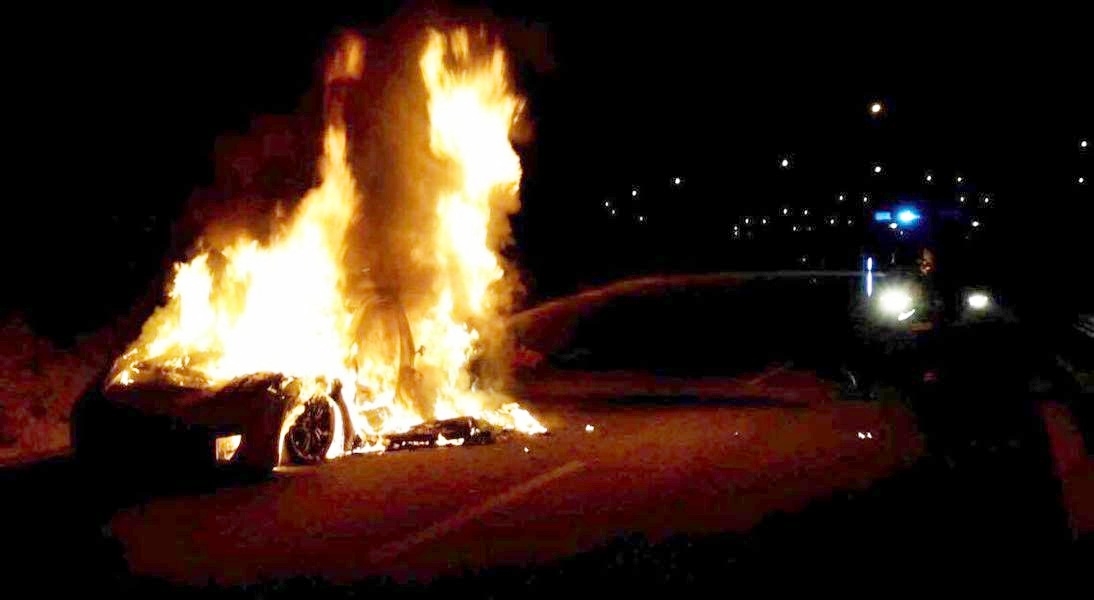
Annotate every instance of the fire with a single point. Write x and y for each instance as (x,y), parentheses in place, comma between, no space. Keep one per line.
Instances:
(286,304)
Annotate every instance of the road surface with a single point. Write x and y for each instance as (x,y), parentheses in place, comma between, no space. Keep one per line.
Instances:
(662,456)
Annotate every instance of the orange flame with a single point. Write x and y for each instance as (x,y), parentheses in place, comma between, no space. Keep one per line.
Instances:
(283,306)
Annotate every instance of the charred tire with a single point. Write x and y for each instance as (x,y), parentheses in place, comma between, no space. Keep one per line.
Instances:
(310,437)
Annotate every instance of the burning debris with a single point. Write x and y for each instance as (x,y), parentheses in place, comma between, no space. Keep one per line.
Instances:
(368,353)
(449,432)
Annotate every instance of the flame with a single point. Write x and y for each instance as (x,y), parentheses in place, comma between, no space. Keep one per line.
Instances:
(471,111)
(283,304)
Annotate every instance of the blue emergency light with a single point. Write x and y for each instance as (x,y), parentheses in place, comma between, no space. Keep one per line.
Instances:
(883,215)
(907,216)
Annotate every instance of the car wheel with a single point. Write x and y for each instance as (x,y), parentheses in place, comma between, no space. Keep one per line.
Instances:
(309,438)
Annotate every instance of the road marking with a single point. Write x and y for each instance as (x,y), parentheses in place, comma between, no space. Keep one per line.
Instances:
(1073,466)
(768,374)
(463,517)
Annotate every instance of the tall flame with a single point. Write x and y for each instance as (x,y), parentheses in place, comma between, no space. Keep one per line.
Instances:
(283,305)
(471,110)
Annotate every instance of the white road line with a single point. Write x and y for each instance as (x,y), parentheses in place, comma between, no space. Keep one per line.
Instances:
(461,518)
(768,374)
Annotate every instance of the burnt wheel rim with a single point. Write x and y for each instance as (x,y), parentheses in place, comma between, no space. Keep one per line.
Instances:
(310,437)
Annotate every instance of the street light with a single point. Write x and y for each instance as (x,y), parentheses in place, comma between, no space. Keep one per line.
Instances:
(976,224)
(677,181)
(1083,144)
(634,193)
(960,179)
(877,169)
(784,163)
(876,108)
(1082,180)
(930,178)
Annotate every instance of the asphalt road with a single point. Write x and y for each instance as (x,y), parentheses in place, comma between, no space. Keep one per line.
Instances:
(665,456)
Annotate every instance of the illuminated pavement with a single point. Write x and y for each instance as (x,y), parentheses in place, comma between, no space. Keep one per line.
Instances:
(665,456)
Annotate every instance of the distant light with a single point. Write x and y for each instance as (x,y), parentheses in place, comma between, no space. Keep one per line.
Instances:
(805,212)
(607,204)
(987,200)
(893,226)
(960,179)
(634,193)
(875,108)
(865,198)
(831,221)
(784,163)
(748,220)
(877,169)
(786,211)
(907,216)
(850,221)
(803,259)
(589,428)
(1082,144)
(930,178)
(1082,179)
(895,300)
(526,450)
(763,220)
(736,227)
(613,212)
(840,198)
(962,199)
(677,181)
(978,300)
(794,228)
(976,223)
(641,218)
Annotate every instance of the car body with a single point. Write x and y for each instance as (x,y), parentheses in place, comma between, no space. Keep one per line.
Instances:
(240,426)
(166,416)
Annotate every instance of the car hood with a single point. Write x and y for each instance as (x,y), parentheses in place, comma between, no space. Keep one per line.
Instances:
(233,404)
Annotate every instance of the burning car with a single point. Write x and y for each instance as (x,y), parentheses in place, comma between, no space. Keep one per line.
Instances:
(345,326)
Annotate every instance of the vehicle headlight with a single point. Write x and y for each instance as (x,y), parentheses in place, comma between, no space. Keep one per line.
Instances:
(894,301)
(978,301)
(227,446)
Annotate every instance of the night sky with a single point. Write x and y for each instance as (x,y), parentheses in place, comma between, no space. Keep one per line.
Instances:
(125,109)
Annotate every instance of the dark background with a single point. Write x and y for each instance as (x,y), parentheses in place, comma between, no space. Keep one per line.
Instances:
(123,112)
